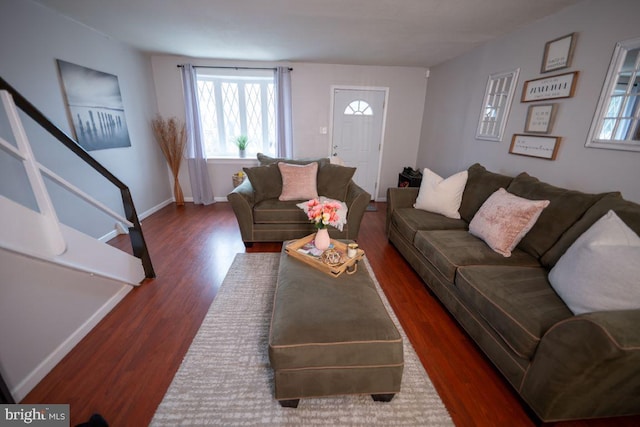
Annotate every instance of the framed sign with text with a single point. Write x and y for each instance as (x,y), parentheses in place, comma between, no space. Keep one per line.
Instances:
(558,53)
(540,118)
(544,147)
(554,87)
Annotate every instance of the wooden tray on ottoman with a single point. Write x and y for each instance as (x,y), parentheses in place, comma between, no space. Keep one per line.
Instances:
(293,249)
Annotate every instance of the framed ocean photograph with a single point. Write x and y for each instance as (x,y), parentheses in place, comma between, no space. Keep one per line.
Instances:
(95,107)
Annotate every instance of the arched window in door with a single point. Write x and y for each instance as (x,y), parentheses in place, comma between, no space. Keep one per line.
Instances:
(358,108)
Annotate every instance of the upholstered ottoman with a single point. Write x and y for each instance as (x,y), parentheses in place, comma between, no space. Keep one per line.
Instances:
(331,336)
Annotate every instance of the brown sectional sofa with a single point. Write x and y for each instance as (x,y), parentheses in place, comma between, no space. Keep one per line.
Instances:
(564,366)
(262,217)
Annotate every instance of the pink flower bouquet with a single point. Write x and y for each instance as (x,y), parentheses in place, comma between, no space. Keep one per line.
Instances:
(324,211)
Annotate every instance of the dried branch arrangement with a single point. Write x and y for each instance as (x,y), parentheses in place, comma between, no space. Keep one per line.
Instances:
(172,137)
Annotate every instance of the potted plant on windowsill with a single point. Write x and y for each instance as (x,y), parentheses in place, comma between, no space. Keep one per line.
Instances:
(242,141)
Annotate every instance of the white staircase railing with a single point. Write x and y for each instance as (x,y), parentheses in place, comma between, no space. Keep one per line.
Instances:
(40,234)
(53,236)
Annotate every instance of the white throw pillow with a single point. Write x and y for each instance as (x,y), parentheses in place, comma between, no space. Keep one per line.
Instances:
(442,196)
(504,219)
(601,270)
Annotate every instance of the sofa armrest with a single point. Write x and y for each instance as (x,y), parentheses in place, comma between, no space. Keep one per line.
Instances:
(242,199)
(357,201)
(399,197)
(587,365)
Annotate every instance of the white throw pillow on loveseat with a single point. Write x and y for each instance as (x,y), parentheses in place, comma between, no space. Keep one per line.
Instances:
(601,270)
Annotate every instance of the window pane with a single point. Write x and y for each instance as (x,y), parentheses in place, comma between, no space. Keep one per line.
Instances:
(607,129)
(254,112)
(208,116)
(242,103)
(231,111)
(614,106)
(358,108)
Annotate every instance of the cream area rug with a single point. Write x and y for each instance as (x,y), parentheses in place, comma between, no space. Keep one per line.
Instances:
(225,378)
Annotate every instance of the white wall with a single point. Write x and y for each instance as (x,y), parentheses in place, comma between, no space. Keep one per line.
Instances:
(45,309)
(456,90)
(33,38)
(311,101)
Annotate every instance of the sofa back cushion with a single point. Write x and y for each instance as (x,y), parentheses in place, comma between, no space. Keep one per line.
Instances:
(565,208)
(333,181)
(628,211)
(265,180)
(264,160)
(480,185)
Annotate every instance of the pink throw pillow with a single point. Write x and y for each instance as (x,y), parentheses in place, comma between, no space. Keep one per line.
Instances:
(298,181)
(504,219)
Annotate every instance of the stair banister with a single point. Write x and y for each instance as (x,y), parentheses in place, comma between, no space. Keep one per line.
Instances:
(136,236)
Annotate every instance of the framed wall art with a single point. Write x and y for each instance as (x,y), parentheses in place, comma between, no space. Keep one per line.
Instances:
(544,147)
(540,118)
(95,107)
(554,87)
(558,53)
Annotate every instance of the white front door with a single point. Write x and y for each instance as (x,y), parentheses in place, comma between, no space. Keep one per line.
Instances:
(358,117)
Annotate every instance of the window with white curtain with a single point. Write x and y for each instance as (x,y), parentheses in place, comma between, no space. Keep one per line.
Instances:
(235,103)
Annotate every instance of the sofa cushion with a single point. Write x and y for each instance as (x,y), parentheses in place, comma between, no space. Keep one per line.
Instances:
(600,270)
(565,208)
(440,195)
(628,211)
(449,249)
(265,180)
(480,185)
(333,181)
(517,302)
(410,220)
(274,211)
(298,181)
(504,219)
(266,160)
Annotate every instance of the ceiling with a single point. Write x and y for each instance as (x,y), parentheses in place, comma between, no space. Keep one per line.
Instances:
(363,32)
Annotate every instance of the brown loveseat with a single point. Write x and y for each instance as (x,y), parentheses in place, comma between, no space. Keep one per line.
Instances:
(262,217)
(564,366)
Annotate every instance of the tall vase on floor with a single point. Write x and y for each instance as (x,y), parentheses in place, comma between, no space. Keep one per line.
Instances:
(322,240)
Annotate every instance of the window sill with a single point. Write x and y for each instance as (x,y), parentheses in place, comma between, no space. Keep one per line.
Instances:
(231,160)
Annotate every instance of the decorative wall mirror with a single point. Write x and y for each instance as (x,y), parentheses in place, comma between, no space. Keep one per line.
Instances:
(616,123)
(496,105)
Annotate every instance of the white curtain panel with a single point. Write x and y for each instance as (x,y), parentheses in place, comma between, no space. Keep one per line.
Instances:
(284,133)
(196,159)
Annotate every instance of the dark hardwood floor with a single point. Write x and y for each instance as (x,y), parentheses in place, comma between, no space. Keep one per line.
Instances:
(123,367)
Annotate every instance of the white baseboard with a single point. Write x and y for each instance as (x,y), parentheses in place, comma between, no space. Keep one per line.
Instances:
(155,209)
(216,199)
(113,233)
(40,371)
